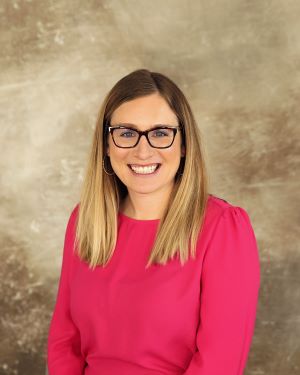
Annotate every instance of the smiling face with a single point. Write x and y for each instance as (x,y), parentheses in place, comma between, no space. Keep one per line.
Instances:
(144,113)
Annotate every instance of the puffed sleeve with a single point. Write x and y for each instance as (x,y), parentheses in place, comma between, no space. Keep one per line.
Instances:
(63,345)
(230,284)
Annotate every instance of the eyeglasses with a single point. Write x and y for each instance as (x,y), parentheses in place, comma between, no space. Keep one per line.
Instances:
(158,137)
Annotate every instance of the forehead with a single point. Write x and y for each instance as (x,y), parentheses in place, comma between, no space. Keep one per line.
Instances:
(144,112)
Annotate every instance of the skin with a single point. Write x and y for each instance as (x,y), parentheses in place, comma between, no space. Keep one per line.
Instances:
(147,196)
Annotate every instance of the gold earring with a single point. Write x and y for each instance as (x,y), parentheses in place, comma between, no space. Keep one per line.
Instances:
(103,164)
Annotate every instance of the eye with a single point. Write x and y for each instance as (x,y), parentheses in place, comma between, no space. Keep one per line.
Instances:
(127,133)
(160,133)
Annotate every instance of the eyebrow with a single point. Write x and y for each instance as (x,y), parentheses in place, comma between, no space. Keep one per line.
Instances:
(136,127)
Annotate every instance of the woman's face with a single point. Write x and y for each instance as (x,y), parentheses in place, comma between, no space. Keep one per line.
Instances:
(144,113)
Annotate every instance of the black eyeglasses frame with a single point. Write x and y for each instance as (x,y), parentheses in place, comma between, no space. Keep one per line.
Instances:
(145,133)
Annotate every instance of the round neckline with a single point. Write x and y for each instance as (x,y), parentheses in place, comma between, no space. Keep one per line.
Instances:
(128,218)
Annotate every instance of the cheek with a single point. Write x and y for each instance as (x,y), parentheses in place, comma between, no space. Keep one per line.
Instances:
(114,152)
(173,154)
(118,156)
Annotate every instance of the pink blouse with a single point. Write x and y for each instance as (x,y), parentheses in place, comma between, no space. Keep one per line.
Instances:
(123,319)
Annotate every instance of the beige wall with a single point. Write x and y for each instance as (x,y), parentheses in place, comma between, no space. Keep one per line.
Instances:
(238,63)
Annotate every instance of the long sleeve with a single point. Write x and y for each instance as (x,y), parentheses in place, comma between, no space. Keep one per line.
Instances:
(230,284)
(63,346)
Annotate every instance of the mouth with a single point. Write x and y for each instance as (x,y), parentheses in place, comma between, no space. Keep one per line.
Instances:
(144,170)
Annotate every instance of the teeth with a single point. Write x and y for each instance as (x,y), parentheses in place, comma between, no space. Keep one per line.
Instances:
(144,170)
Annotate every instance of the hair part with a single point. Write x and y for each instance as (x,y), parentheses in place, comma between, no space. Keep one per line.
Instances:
(102,194)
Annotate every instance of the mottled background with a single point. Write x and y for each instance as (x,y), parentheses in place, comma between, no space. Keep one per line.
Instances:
(238,63)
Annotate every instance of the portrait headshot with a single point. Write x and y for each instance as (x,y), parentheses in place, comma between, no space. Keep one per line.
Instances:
(149,187)
(159,275)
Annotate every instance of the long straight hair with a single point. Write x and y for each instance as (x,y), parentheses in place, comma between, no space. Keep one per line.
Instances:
(102,194)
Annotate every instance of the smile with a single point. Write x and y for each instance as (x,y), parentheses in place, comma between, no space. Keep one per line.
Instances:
(149,169)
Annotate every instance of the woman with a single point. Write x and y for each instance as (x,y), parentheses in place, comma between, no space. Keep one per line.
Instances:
(158,276)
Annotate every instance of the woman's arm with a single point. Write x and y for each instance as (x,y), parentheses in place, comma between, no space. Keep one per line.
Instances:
(63,350)
(229,294)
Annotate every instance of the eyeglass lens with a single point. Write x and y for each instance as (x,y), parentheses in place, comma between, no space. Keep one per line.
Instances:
(157,137)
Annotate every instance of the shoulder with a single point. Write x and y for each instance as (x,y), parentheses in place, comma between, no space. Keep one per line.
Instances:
(215,208)
(74,211)
(72,221)
(216,203)
(219,210)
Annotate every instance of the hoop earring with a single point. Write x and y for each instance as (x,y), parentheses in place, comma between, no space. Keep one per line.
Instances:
(103,164)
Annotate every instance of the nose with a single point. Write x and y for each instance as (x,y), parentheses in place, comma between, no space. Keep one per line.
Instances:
(143,149)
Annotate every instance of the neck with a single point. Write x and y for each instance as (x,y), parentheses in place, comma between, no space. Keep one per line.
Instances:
(145,206)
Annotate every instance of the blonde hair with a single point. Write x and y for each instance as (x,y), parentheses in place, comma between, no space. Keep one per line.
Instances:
(102,194)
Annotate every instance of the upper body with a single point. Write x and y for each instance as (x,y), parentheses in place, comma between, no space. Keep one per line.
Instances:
(198,318)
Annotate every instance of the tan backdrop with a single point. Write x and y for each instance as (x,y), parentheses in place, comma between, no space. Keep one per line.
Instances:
(237,62)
